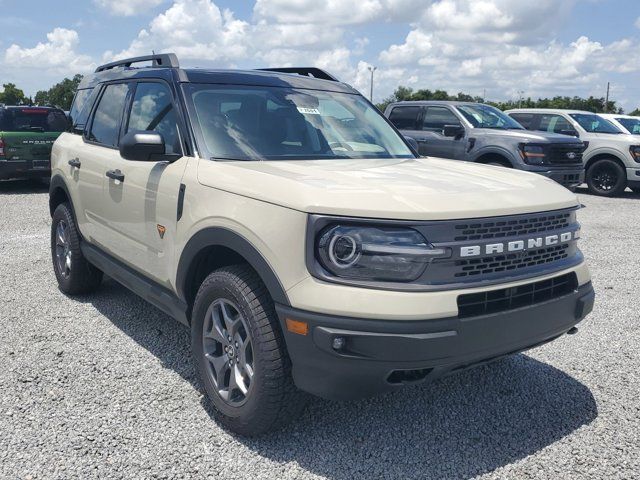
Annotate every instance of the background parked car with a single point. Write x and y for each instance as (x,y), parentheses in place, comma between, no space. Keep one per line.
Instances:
(26,137)
(612,157)
(626,123)
(481,133)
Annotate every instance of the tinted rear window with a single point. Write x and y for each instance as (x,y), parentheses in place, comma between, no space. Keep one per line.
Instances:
(524,119)
(33,120)
(405,118)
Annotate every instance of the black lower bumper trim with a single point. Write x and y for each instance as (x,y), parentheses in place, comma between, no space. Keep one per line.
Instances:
(380,355)
(23,169)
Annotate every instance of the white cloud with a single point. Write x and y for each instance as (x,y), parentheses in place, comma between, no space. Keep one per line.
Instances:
(637,24)
(127,8)
(57,55)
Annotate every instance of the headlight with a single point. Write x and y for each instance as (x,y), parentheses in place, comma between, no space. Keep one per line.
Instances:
(635,152)
(374,253)
(532,154)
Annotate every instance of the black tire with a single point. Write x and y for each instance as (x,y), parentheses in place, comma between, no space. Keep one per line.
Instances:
(78,275)
(635,190)
(606,178)
(271,399)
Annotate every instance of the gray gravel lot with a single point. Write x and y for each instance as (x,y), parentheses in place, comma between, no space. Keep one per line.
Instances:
(103,386)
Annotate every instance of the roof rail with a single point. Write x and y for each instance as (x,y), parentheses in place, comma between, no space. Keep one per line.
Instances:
(165,60)
(305,71)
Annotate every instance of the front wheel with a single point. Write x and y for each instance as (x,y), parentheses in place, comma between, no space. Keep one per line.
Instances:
(74,273)
(606,178)
(240,353)
(635,190)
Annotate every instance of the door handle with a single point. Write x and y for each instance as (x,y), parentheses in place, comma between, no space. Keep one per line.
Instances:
(75,163)
(116,175)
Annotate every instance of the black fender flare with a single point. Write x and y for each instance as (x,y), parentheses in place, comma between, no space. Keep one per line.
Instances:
(492,150)
(57,182)
(223,237)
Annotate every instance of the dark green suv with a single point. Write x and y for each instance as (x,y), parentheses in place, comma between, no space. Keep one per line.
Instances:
(26,137)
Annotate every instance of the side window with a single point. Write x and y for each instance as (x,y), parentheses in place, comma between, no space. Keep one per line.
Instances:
(437,117)
(405,118)
(524,119)
(105,128)
(555,123)
(153,110)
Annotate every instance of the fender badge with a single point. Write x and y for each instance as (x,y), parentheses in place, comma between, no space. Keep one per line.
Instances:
(161,230)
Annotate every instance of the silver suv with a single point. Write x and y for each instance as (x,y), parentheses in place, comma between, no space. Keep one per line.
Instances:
(481,133)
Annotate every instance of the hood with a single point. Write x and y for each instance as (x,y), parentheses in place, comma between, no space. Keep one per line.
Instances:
(411,189)
(530,136)
(624,139)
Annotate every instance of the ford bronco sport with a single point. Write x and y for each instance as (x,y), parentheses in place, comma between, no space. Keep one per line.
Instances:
(26,137)
(480,133)
(612,156)
(285,220)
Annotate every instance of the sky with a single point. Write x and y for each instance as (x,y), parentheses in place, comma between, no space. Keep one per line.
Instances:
(505,48)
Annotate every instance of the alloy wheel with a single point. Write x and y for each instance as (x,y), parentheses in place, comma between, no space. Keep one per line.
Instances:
(228,350)
(604,178)
(63,249)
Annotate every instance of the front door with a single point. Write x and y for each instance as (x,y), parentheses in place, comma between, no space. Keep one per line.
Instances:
(140,200)
(434,143)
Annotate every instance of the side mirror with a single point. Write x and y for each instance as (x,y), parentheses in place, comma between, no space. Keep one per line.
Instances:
(572,133)
(453,130)
(411,141)
(143,146)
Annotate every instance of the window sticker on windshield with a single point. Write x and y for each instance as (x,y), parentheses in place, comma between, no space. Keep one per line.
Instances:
(309,111)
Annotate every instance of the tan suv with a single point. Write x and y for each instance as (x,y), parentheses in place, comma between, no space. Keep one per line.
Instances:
(307,246)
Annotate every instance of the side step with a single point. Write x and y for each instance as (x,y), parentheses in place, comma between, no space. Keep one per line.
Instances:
(145,288)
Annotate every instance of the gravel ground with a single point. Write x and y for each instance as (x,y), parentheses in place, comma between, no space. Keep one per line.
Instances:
(103,386)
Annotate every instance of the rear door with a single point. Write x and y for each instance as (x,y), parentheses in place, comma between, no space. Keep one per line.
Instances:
(28,134)
(406,118)
(140,211)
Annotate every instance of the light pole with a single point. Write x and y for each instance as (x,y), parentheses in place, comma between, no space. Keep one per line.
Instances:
(371,69)
(520,93)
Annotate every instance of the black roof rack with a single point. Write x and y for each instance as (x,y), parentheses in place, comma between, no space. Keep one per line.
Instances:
(166,60)
(305,71)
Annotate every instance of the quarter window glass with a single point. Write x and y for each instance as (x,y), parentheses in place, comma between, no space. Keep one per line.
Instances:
(106,122)
(437,117)
(405,118)
(78,105)
(555,123)
(152,110)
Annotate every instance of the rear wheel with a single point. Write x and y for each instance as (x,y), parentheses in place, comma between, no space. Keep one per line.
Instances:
(74,274)
(635,190)
(606,178)
(240,353)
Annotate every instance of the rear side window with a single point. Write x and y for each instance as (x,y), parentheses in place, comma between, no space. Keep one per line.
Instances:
(555,124)
(524,119)
(436,118)
(405,118)
(152,110)
(105,128)
(33,120)
(80,108)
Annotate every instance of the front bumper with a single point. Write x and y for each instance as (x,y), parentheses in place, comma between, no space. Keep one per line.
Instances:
(633,177)
(383,355)
(24,168)
(567,177)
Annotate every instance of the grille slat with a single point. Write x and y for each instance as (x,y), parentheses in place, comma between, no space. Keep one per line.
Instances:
(558,155)
(512,228)
(495,301)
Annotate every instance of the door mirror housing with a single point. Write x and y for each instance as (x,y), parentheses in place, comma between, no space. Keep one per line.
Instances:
(453,130)
(412,142)
(145,146)
(571,133)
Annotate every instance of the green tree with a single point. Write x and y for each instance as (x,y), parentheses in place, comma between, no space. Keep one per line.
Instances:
(61,94)
(41,98)
(12,95)
(635,113)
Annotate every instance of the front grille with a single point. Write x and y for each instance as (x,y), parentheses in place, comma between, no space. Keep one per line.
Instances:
(494,301)
(512,228)
(557,154)
(511,261)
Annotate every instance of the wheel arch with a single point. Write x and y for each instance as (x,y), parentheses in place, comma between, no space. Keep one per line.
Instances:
(59,193)
(495,155)
(215,247)
(604,156)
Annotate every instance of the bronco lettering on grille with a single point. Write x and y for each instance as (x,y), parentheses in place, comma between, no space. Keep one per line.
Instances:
(518,245)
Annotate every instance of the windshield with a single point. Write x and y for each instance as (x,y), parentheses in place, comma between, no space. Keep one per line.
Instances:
(594,124)
(631,124)
(273,123)
(485,116)
(36,120)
